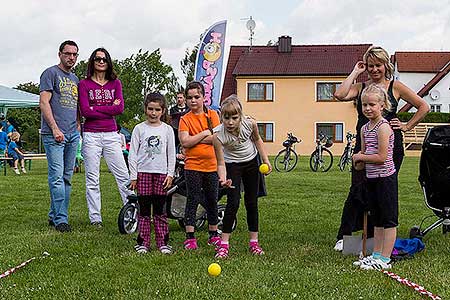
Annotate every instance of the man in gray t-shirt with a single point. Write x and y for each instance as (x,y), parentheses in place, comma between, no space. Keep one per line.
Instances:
(60,131)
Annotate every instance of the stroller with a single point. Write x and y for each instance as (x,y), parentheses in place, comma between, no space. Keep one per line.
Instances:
(434,178)
(175,206)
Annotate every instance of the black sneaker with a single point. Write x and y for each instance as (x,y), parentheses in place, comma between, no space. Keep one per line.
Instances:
(97,224)
(63,227)
(51,223)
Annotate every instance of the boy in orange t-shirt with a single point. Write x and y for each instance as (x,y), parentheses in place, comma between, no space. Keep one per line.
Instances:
(195,134)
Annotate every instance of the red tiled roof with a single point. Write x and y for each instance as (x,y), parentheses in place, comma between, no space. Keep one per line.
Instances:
(304,60)
(421,62)
(426,89)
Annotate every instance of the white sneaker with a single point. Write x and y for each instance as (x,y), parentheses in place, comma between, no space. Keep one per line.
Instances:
(364,260)
(375,264)
(24,171)
(166,249)
(339,246)
(16,171)
(141,249)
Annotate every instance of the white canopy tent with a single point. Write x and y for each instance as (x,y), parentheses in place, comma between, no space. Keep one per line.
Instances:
(12,98)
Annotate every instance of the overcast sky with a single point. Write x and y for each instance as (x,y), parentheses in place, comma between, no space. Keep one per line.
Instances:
(31,31)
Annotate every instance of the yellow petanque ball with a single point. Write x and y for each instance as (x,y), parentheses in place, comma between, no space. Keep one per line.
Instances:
(264,168)
(214,269)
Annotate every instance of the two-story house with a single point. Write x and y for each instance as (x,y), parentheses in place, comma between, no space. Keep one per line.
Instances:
(289,88)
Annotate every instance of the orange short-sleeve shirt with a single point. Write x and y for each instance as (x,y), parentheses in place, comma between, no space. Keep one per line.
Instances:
(201,157)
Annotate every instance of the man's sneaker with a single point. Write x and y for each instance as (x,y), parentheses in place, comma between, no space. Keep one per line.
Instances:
(339,246)
(363,260)
(166,249)
(375,264)
(222,251)
(63,227)
(190,244)
(141,249)
(97,224)
(255,249)
(24,171)
(51,223)
(214,240)
(16,171)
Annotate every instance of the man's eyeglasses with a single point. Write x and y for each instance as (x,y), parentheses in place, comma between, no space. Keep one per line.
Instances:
(100,59)
(70,54)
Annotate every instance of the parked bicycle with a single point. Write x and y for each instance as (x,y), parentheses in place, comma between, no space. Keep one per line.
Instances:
(346,158)
(287,158)
(322,158)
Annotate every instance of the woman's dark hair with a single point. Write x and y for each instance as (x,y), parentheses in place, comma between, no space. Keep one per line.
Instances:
(195,85)
(110,74)
(161,100)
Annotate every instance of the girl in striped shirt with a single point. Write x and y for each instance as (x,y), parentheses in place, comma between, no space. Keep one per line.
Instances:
(377,142)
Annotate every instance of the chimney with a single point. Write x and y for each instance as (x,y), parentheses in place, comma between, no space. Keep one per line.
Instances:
(284,44)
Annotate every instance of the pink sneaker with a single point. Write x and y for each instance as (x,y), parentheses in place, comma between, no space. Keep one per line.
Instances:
(190,244)
(255,248)
(215,241)
(222,251)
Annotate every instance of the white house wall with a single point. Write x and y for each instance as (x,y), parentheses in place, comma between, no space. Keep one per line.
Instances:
(416,81)
(443,86)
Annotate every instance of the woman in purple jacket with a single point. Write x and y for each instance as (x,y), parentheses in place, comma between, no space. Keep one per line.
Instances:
(101,100)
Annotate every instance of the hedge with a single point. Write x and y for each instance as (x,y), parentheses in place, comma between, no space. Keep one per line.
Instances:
(432,117)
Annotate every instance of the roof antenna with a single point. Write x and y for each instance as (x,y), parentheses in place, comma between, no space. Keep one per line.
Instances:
(251,24)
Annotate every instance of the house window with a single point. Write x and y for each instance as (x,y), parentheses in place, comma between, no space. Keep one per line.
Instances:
(333,130)
(435,107)
(261,91)
(325,91)
(266,131)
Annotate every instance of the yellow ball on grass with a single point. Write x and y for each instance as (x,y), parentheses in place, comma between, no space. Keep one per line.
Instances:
(214,269)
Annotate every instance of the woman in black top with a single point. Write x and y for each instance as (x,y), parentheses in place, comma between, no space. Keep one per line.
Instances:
(380,71)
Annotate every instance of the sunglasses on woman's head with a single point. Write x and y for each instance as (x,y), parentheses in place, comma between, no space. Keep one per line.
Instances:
(100,59)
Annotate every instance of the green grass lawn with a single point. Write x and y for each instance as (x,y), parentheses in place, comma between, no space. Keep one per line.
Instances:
(298,224)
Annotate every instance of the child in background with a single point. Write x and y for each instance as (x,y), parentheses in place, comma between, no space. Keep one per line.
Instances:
(195,133)
(152,165)
(3,140)
(123,144)
(377,142)
(237,143)
(15,153)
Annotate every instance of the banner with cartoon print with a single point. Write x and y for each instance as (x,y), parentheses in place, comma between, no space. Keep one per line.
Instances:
(208,67)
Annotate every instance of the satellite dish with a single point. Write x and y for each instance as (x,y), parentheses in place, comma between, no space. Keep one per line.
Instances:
(434,94)
(251,24)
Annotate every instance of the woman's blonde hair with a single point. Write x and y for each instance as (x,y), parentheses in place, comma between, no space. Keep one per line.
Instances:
(380,92)
(378,53)
(231,106)
(15,136)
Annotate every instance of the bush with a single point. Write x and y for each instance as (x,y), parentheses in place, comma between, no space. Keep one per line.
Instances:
(432,117)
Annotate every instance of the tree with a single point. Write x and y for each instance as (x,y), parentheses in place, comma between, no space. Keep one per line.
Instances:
(81,69)
(141,74)
(188,63)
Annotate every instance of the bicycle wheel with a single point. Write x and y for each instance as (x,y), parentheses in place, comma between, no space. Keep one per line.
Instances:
(286,160)
(321,162)
(128,218)
(326,160)
(314,161)
(344,160)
